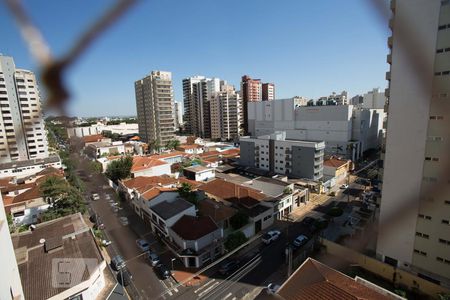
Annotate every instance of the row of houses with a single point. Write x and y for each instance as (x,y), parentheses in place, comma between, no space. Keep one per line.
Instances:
(195,230)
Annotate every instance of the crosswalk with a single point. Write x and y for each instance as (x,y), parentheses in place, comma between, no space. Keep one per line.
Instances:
(170,286)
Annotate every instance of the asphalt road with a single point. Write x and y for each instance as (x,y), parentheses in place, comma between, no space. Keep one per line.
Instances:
(145,283)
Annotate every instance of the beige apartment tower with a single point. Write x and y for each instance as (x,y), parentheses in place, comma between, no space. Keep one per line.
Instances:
(22,132)
(155,108)
(414,231)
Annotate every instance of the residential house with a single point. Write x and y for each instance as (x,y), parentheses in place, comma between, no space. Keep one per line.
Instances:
(25,168)
(219,212)
(337,168)
(66,242)
(252,202)
(315,280)
(149,166)
(199,173)
(101,149)
(198,239)
(95,138)
(190,148)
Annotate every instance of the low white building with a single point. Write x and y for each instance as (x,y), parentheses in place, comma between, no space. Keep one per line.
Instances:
(101,149)
(122,129)
(199,173)
(342,127)
(21,169)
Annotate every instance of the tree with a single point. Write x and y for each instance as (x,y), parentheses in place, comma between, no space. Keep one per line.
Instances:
(238,220)
(185,191)
(287,190)
(235,240)
(335,212)
(95,167)
(172,144)
(52,188)
(119,169)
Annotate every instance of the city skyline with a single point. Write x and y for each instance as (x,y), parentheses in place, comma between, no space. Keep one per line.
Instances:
(297,61)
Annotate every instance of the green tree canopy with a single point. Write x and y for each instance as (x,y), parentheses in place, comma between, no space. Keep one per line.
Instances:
(172,144)
(119,169)
(234,240)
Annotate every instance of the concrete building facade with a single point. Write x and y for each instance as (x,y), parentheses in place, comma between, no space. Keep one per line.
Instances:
(10,284)
(226,113)
(268,91)
(414,229)
(374,99)
(276,153)
(155,107)
(346,130)
(22,132)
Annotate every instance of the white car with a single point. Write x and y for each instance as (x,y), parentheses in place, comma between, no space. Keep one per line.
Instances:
(106,243)
(123,221)
(95,197)
(271,236)
(272,288)
(344,186)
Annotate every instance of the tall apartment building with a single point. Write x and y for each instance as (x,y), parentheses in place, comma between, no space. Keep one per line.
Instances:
(198,92)
(178,115)
(226,113)
(414,231)
(22,131)
(276,153)
(374,99)
(155,107)
(268,91)
(10,284)
(253,90)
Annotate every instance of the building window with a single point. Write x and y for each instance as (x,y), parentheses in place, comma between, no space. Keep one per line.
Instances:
(422,235)
(420,252)
(442,241)
(446,222)
(424,217)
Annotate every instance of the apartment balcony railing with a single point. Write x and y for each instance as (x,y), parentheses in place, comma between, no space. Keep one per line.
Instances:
(389,58)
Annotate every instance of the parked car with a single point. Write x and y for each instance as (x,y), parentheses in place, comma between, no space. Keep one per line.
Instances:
(300,240)
(99,225)
(118,263)
(272,288)
(95,197)
(124,277)
(229,267)
(94,218)
(123,221)
(106,243)
(143,245)
(344,186)
(162,271)
(271,236)
(153,258)
(308,221)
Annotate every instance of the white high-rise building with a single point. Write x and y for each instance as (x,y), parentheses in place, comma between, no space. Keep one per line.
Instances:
(414,231)
(22,131)
(374,99)
(178,115)
(155,108)
(10,284)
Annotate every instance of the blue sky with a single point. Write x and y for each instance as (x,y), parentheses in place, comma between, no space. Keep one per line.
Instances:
(307,48)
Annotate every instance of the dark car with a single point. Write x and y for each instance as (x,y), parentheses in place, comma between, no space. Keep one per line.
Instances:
(162,271)
(124,277)
(118,263)
(308,221)
(229,267)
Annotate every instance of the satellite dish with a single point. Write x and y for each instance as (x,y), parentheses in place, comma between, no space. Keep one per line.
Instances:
(41,241)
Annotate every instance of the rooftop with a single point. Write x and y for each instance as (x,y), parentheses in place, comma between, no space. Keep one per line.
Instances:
(198,169)
(216,210)
(314,280)
(167,210)
(145,162)
(31,162)
(192,228)
(142,183)
(64,238)
(187,147)
(335,162)
(92,138)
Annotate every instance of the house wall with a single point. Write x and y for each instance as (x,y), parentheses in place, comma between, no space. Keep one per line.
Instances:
(201,176)
(154,171)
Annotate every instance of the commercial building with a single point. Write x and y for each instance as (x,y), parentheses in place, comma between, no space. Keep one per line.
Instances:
(21,169)
(155,107)
(122,129)
(278,154)
(22,132)
(10,284)
(252,91)
(346,130)
(414,222)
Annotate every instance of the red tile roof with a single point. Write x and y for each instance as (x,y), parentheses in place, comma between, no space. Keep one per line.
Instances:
(184,147)
(167,155)
(155,191)
(232,192)
(145,162)
(141,183)
(335,162)
(314,280)
(216,210)
(192,228)
(92,138)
